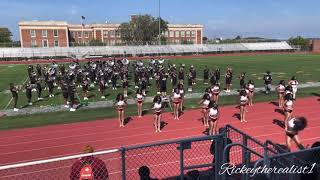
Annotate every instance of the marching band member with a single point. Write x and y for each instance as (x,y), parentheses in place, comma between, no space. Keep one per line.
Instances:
(139,94)
(71,94)
(14,92)
(39,89)
(281,93)
(51,85)
(85,87)
(102,87)
(267,81)
(157,107)
(217,75)
(181,74)
(243,103)
(206,72)
(228,77)
(120,105)
(29,93)
(213,114)
(242,80)
(251,92)
(176,99)
(125,85)
(65,94)
(294,84)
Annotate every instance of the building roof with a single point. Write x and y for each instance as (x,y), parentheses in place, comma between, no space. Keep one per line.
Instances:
(43,23)
(185,25)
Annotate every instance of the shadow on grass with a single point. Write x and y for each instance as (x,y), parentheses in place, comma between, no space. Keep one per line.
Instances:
(279,123)
(316,94)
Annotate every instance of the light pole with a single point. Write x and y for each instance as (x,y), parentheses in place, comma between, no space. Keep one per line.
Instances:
(159,25)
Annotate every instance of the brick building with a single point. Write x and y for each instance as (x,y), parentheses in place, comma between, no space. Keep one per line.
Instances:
(62,34)
(315,45)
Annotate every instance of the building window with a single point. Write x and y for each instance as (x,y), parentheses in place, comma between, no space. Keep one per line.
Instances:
(87,42)
(118,34)
(112,42)
(187,33)
(171,33)
(44,33)
(56,43)
(86,34)
(177,34)
(105,33)
(33,33)
(166,34)
(45,43)
(193,33)
(79,34)
(33,43)
(182,33)
(112,34)
(177,41)
(55,33)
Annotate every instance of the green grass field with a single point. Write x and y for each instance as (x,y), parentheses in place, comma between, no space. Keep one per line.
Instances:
(305,67)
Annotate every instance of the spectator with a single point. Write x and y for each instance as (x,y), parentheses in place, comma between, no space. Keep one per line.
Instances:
(89,168)
(144,173)
(193,175)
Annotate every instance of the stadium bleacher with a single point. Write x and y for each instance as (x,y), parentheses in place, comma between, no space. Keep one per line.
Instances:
(141,50)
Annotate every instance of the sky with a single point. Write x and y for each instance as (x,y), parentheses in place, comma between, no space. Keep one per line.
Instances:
(221,18)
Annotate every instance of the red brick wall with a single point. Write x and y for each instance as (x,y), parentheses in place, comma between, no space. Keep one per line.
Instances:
(26,38)
(199,37)
(316,46)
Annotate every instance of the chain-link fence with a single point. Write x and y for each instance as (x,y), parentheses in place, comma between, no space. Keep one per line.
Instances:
(101,165)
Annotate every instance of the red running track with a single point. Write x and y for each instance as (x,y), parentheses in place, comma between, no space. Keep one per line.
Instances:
(61,140)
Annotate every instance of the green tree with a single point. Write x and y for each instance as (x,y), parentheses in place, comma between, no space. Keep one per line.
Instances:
(300,42)
(144,29)
(5,36)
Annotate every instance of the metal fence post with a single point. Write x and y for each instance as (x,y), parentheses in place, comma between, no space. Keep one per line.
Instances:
(181,161)
(218,156)
(123,163)
(244,154)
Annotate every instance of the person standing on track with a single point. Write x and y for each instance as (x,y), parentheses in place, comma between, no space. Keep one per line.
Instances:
(215,92)
(213,117)
(120,105)
(267,81)
(14,92)
(288,107)
(205,101)
(157,107)
(139,101)
(176,100)
(281,93)
(181,91)
(293,126)
(243,104)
